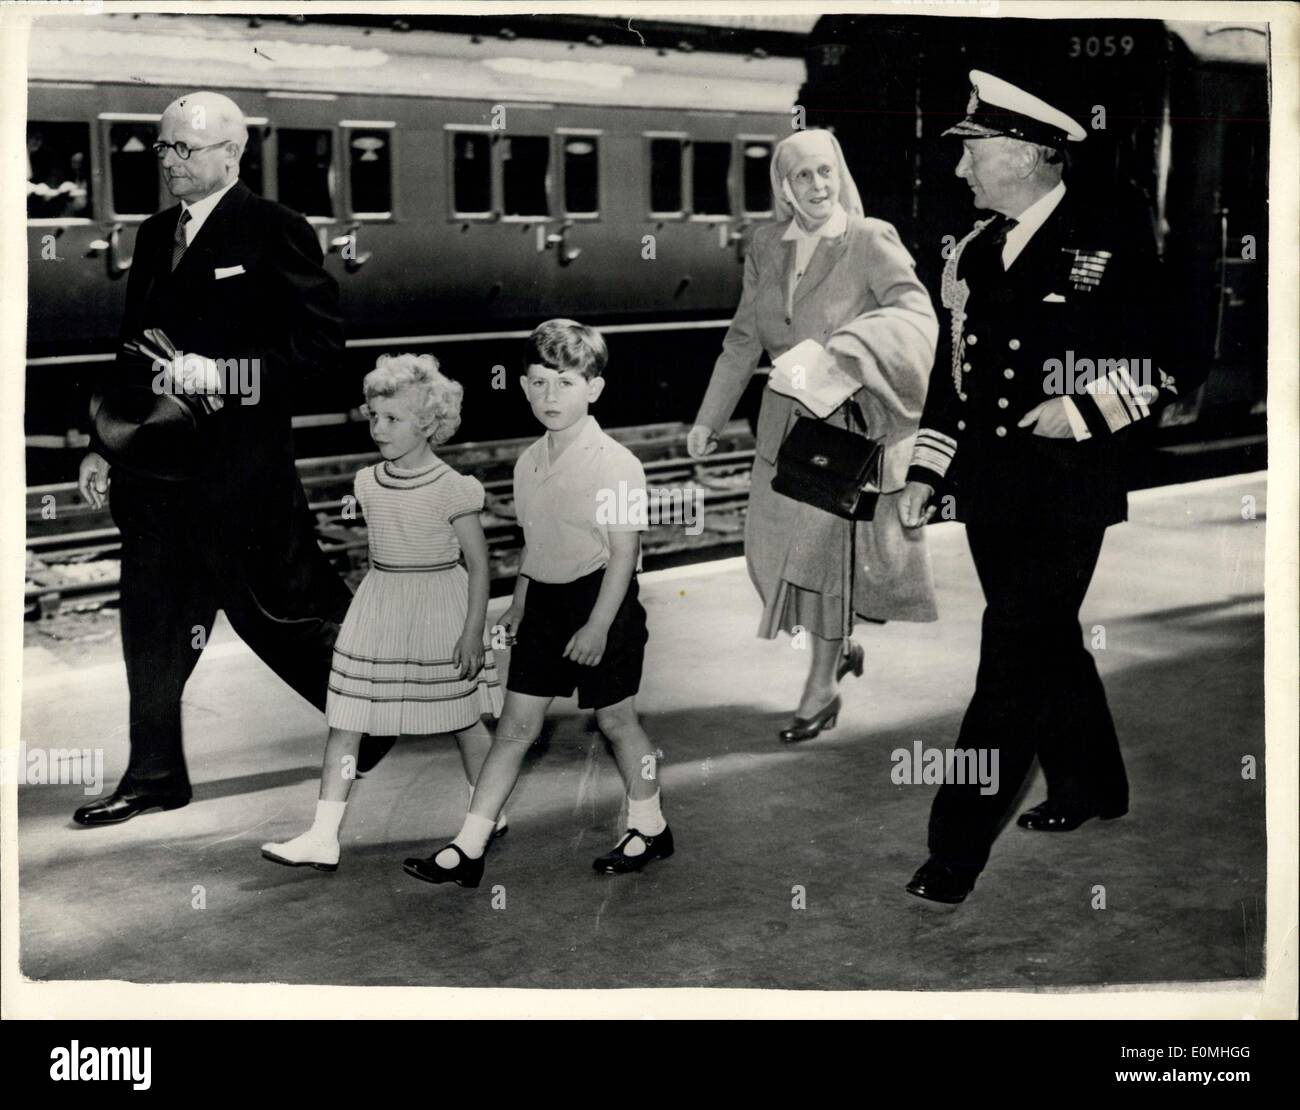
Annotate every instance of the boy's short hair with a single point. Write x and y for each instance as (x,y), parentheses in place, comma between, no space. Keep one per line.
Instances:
(567,345)
(438,398)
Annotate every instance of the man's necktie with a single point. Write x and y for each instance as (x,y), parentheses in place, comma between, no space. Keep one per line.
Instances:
(998,239)
(180,242)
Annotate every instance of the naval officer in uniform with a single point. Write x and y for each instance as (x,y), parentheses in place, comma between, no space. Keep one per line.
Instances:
(1053,350)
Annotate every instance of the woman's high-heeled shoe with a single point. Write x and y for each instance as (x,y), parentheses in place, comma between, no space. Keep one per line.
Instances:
(853,661)
(805,728)
(467,872)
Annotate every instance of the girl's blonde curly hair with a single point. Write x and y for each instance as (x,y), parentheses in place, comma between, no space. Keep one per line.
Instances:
(437,409)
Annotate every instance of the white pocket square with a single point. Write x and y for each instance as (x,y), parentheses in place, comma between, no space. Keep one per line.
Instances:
(1055,298)
(227,271)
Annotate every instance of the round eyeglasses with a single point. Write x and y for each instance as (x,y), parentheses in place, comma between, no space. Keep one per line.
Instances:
(183,149)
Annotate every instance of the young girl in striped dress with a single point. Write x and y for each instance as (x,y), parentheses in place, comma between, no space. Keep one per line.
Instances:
(410,657)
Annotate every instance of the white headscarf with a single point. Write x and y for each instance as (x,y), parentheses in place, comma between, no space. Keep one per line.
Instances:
(792,150)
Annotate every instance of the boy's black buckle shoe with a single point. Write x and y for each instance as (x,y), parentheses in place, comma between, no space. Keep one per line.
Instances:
(468,872)
(656,847)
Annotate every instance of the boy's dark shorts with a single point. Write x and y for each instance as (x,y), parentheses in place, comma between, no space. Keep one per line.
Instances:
(552,614)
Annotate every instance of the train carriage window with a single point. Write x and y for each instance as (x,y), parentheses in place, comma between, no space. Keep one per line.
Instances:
(471,174)
(710,164)
(757,180)
(666,176)
(304,165)
(251,171)
(525,162)
(58,171)
(133,168)
(581,175)
(370,169)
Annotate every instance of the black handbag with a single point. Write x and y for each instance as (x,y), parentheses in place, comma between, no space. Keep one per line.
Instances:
(158,435)
(837,470)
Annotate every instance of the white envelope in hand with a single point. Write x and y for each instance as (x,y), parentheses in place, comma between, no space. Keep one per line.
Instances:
(807,372)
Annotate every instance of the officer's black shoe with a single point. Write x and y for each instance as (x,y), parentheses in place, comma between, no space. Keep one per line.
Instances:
(372,750)
(616,863)
(122,805)
(1052,817)
(940,883)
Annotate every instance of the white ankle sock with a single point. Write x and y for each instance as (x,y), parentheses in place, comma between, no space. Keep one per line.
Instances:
(320,842)
(472,840)
(329,816)
(502,819)
(645,816)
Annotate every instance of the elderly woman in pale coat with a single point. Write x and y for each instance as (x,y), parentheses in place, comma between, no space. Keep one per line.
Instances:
(827,273)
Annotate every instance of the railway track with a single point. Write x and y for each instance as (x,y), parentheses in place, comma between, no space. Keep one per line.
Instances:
(73,549)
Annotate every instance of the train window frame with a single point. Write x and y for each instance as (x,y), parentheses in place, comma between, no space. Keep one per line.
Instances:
(455,215)
(562,135)
(104,124)
(348,127)
(548,182)
(743,140)
(331,179)
(688,171)
(96,188)
(679,214)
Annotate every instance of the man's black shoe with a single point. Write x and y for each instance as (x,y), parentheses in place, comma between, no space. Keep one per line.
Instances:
(123,805)
(942,884)
(1050,817)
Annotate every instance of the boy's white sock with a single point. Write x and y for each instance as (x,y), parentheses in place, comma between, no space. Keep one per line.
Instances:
(502,819)
(472,840)
(645,816)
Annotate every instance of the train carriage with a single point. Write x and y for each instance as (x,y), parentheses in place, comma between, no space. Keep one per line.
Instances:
(466,184)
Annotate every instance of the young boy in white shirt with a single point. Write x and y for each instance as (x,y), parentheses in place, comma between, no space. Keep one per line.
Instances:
(575,614)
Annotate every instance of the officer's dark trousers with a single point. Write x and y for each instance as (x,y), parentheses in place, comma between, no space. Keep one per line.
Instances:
(1037,692)
(175,576)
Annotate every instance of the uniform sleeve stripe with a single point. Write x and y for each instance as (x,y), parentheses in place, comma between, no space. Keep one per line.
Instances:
(1112,410)
(931,459)
(937,440)
(1131,390)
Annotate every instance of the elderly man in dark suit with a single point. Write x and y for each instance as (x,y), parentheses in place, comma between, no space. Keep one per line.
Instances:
(236,282)
(1054,351)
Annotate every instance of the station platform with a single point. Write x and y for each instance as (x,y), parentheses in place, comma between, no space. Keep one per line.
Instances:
(760,827)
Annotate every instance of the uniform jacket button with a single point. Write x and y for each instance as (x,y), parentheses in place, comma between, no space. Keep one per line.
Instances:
(788,320)
(1014,344)
(1000,430)
(1003,402)
(962,396)
(972,339)
(961,425)
(1008,373)
(965,366)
